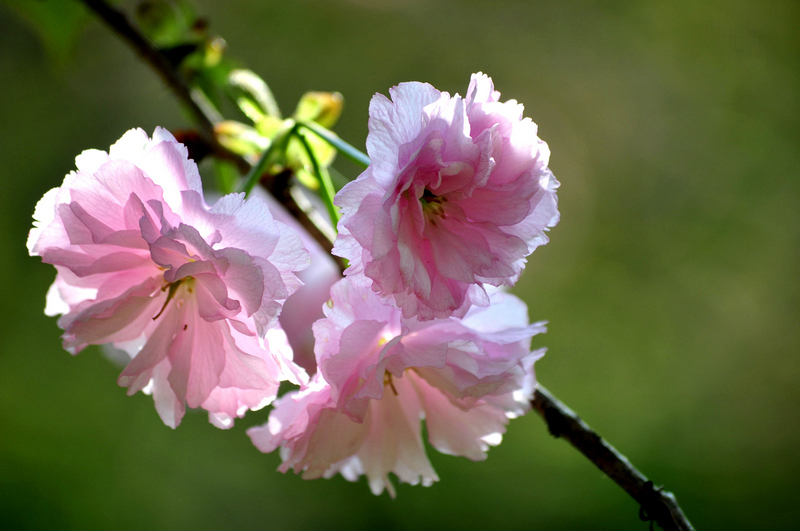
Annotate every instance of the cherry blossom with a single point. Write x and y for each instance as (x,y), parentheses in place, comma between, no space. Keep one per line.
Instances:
(380,375)
(457,195)
(192,292)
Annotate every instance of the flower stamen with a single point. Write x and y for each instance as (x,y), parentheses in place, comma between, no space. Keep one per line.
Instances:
(387,380)
(173,288)
(433,205)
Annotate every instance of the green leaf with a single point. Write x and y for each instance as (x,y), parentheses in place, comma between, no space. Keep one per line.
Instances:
(297,156)
(269,126)
(252,95)
(58,22)
(273,151)
(306,151)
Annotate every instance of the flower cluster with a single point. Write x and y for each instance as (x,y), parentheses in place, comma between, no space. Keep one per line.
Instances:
(457,195)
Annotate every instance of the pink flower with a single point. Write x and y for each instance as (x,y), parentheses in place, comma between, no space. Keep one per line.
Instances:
(457,195)
(191,292)
(380,375)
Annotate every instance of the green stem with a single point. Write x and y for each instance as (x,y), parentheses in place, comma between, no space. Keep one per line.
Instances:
(326,191)
(341,146)
(266,157)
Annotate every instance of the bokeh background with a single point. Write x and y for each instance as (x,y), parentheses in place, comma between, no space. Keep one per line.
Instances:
(671,284)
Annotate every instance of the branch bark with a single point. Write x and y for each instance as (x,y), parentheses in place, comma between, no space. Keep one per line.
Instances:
(156,59)
(655,503)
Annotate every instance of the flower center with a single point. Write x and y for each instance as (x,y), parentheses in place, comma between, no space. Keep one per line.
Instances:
(187,282)
(432,205)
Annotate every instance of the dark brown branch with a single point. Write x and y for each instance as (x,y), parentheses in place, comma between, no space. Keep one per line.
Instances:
(155,59)
(655,503)
(158,61)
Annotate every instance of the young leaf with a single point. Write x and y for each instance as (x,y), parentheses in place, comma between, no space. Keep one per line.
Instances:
(252,94)
(341,146)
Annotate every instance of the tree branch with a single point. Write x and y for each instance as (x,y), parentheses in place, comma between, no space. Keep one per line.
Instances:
(655,503)
(151,55)
(156,59)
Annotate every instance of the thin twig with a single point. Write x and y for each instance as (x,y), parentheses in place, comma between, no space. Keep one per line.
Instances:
(117,20)
(156,59)
(656,504)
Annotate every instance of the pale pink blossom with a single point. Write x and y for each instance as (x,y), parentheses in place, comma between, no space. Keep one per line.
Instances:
(457,195)
(380,375)
(191,292)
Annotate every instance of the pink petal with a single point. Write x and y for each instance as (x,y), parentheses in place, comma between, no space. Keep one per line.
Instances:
(455,431)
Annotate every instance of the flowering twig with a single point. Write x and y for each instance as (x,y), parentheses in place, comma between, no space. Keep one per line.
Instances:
(655,504)
(117,20)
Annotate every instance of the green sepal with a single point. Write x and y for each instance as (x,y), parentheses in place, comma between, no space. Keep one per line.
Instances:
(325,108)
(269,126)
(240,138)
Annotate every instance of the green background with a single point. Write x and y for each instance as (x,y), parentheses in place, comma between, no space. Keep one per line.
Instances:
(671,283)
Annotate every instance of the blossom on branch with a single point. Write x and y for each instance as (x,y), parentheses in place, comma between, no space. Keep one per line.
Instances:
(379,375)
(457,195)
(191,292)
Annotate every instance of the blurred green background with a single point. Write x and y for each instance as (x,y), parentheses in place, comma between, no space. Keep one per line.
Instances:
(671,284)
